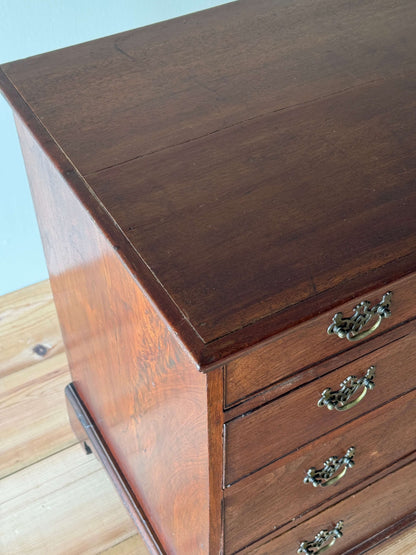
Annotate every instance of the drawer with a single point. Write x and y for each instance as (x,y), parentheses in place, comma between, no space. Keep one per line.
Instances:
(364,514)
(258,438)
(253,506)
(309,343)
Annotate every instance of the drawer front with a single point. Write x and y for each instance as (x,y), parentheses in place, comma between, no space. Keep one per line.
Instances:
(309,343)
(254,507)
(256,439)
(364,514)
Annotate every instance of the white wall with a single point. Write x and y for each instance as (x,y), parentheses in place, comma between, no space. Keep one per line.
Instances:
(29,27)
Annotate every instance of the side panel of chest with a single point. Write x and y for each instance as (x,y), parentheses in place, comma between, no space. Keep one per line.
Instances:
(147,398)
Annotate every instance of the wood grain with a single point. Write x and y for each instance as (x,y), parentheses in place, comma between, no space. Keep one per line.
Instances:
(175,81)
(136,379)
(29,329)
(264,435)
(279,197)
(33,420)
(215,394)
(34,433)
(253,507)
(292,352)
(132,546)
(399,544)
(394,497)
(88,434)
(309,374)
(204,186)
(63,504)
(253,153)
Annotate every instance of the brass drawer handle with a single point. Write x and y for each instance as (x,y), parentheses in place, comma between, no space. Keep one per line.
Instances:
(328,475)
(352,328)
(320,542)
(340,400)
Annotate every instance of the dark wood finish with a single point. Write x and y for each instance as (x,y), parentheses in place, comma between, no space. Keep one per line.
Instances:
(210,191)
(261,196)
(266,434)
(86,430)
(112,233)
(77,420)
(329,502)
(246,153)
(307,375)
(393,497)
(254,508)
(215,446)
(146,396)
(307,344)
(183,79)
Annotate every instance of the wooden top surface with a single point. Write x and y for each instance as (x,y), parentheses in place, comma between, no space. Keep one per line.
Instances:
(258,158)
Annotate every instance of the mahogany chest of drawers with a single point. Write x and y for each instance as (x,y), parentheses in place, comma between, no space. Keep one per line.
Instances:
(227,203)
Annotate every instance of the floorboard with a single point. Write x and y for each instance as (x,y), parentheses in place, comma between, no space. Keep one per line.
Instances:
(29,328)
(33,424)
(132,546)
(63,504)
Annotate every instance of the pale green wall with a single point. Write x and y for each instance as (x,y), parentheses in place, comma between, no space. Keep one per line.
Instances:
(29,27)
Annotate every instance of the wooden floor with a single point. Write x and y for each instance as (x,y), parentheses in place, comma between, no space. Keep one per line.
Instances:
(55,499)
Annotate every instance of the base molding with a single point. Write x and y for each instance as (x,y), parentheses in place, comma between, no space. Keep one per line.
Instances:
(87,433)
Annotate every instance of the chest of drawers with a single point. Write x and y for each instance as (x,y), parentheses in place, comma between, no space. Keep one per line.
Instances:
(227,204)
